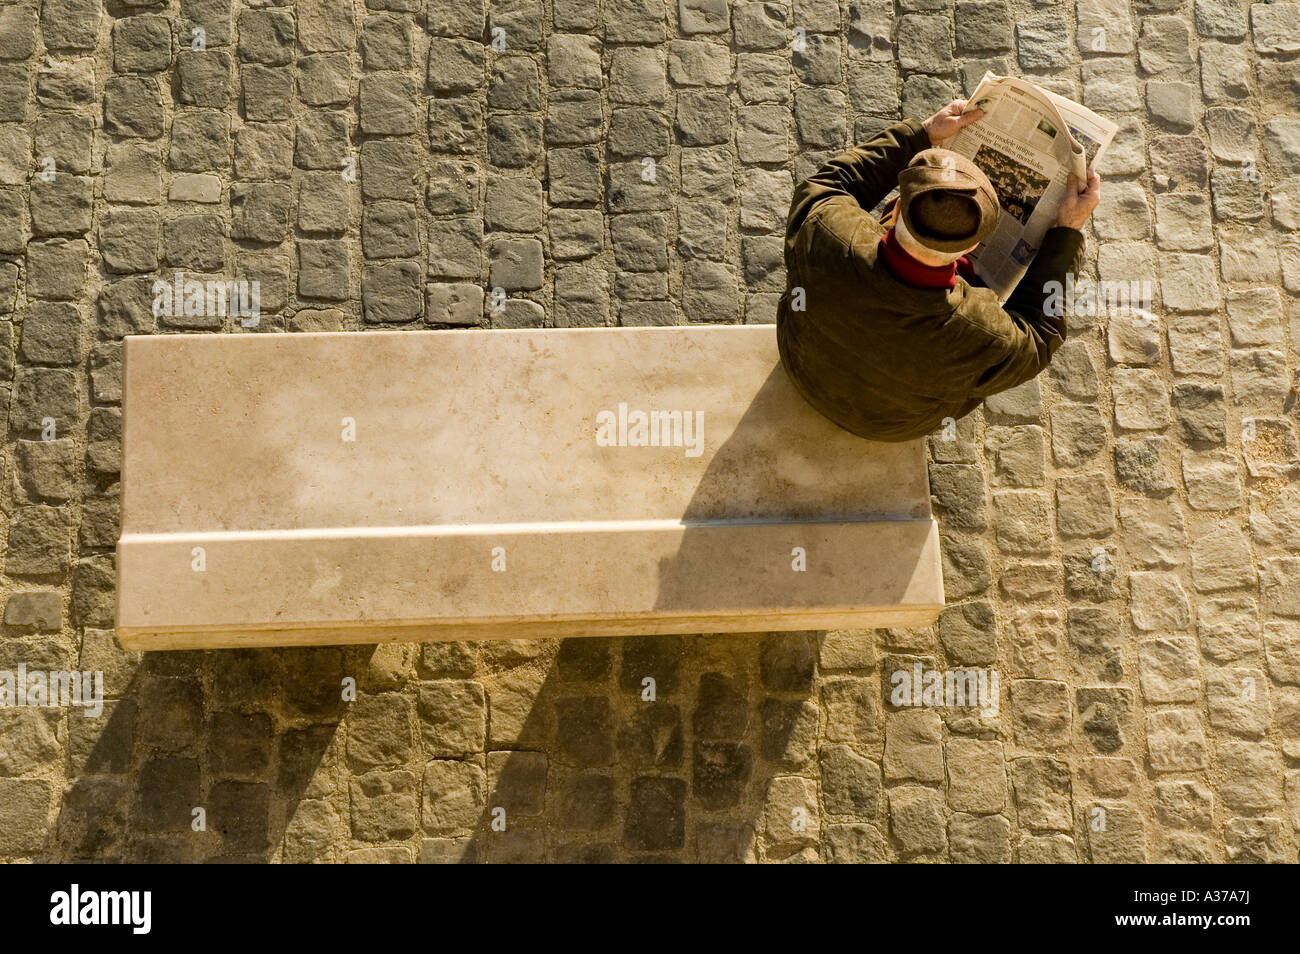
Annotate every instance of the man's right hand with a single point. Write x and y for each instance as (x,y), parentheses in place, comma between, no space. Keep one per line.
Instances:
(1078,205)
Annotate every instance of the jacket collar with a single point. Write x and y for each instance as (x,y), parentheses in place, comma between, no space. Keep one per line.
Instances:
(918,274)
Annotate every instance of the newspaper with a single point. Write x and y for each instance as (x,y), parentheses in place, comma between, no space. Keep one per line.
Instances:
(1028,142)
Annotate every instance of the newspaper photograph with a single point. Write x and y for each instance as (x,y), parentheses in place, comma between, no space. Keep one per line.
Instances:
(1028,142)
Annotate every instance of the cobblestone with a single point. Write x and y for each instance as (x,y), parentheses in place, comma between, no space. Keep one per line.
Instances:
(1117,536)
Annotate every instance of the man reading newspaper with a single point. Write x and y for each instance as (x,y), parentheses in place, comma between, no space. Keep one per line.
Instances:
(885,327)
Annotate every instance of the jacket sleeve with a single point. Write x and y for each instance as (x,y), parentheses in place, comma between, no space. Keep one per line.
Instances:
(863,175)
(1036,312)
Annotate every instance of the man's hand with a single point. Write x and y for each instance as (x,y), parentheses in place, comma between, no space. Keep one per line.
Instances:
(1078,204)
(948,120)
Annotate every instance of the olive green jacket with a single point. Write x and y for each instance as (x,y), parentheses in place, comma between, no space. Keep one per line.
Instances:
(882,358)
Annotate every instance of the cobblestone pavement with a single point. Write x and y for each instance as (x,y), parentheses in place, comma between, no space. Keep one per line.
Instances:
(1121,536)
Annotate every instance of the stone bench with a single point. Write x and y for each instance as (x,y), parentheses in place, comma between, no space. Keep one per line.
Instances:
(298,489)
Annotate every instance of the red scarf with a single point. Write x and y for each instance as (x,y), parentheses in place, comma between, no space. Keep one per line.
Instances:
(920,275)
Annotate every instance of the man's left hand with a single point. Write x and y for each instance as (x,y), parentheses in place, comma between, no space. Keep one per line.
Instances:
(948,120)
